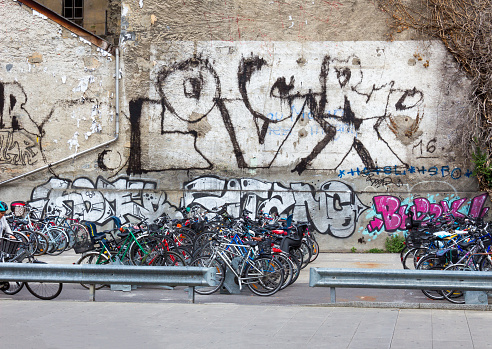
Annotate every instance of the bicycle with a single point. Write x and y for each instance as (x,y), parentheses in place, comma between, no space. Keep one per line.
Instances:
(14,250)
(262,274)
(126,248)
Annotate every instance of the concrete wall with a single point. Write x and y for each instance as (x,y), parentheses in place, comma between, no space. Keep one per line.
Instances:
(296,107)
(57,98)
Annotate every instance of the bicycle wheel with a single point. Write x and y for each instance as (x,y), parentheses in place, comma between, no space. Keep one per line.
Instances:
(144,249)
(431,262)
(169,259)
(93,258)
(202,239)
(485,264)
(184,237)
(59,241)
(43,244)
(208,262)
(455,296)
(306,254)
(296,265)
(297,253)
(412,257)
(313,245)
(14,287)
(288,269)
(44,290)
(264,276)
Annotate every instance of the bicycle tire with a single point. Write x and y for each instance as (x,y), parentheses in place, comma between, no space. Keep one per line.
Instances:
(288,269)
(413,256)
(313,244)
(43,244)
(144,249)
(208,262)
(431,262)
(44,290)
(306,254)
(264,276)
(169,259)
(297,253)
(485,265)
(202,239)
(184,237)
(455,296)
(59,241)
(14,287)
(297,268)
(93,258)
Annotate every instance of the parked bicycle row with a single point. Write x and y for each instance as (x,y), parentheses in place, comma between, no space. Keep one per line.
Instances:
(266,254)
(448,243)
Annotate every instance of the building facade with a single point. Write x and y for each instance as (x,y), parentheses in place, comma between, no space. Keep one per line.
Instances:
(297,107)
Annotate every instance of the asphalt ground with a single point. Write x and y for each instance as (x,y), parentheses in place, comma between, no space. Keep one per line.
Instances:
(299,315)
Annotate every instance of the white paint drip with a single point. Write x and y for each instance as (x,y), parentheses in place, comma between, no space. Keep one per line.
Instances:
(95,128)
(73,142)
(85,41)
(103,52)
(124,12)
(37,14)
(290,19)
(84,84)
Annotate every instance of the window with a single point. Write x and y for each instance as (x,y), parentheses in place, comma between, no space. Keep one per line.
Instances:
(74,11)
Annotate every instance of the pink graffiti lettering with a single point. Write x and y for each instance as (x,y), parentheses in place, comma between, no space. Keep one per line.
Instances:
(392,215)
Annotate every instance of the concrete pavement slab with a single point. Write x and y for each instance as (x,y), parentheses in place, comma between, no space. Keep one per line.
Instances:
(65,324)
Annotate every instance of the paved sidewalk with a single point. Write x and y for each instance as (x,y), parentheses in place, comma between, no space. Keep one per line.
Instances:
(138,321)
(44,324)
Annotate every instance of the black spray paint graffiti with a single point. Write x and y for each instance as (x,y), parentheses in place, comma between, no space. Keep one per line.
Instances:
(18,133)
(24,135)
(131,200)
(201,87)
(332,209)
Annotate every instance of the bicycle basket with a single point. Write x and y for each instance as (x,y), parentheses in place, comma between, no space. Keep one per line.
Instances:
(82,243)
(413,239)
(9,246)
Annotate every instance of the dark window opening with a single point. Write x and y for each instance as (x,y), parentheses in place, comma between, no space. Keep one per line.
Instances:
(74,11)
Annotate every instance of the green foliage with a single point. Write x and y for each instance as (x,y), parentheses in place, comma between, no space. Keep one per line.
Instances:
(395,243)
(353,249)
(376,250)
(483,169)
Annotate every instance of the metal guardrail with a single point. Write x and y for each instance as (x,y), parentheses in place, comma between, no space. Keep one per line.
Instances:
(400,279)
(109,274)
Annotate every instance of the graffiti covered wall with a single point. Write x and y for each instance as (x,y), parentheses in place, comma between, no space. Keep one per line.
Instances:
(56,92)
(318,106)
(293,107)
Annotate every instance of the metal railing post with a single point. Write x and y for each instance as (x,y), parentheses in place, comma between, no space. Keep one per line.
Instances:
(191,294)
(333,295)
(92,292)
